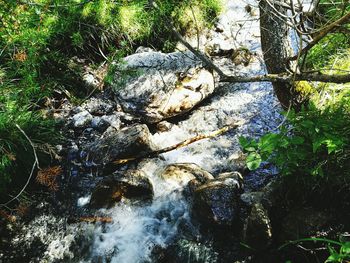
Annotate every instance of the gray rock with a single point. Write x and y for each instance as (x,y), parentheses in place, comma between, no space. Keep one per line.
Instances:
(131,184)
(81,119)
(113,120)
(99,124)
(183,173)
(251,198)
(217,202)
(158,86)
(142,49)
(98,106)
(128,142)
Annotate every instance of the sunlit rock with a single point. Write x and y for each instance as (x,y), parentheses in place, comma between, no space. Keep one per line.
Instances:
(183,173)
(129,184)
(128,142)
(157,86)
(81,119)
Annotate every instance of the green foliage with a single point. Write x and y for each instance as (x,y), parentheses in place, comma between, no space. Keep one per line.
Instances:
(15,150)
(313,146)
(335,43)
(327,50)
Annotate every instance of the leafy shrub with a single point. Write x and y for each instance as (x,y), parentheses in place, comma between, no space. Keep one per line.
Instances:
(312,147)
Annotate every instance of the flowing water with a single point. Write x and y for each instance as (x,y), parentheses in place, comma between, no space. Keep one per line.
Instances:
(141,231)
(140,228)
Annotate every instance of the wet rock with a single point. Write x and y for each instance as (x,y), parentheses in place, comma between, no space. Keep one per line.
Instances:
(242,56)
(128,142)
(81,119)
(303,222)
(189,251)
(159,86)
(183,173)
(257,232)
(217,202)
(130,184)
(222,48)
(251,198)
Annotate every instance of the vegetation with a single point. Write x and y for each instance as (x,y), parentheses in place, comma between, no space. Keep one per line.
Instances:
(40,39)
(311,148)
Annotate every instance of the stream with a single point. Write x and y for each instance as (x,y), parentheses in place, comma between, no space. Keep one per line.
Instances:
(163,229)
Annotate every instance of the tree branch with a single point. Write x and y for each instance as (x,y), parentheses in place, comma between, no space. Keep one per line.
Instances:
(323,33)
(283,77)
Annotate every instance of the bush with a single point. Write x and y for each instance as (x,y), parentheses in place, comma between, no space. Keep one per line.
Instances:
(312,147)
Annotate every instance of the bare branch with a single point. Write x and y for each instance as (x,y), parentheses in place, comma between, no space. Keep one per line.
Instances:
(323,33)
(283,77)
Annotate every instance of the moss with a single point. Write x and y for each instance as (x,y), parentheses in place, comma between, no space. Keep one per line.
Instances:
(304,88)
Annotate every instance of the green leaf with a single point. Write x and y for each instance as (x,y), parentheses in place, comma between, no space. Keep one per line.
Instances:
(268,142)
(243,141)
(253,161)
(345,249)
(297,140)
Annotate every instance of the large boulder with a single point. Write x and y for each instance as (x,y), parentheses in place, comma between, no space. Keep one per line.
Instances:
(183,173)
(217,202)
(156,86)
(131,184)
(128,142)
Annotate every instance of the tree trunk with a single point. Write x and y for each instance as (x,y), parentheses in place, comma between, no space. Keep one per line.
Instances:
(276,47)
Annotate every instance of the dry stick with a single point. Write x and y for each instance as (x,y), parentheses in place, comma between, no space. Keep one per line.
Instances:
(35,164)
(95,219)
(323,33)
(182,144)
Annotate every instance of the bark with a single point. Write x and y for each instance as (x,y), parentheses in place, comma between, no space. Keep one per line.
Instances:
(277,49)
